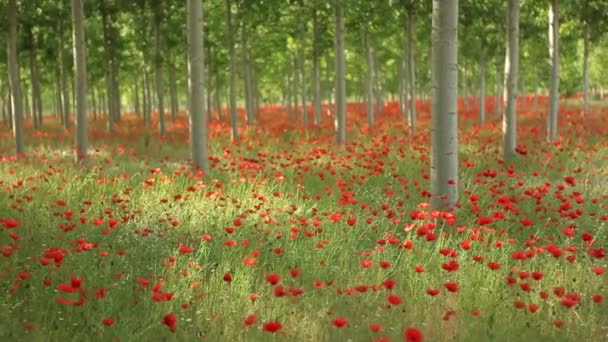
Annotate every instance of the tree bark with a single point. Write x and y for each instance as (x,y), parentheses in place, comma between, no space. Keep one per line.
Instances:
(65,98)
(482,83)
(173,93)
(247,75)
(136,102)
(586,69)
(81,79)
(316,72)
(509,119)
(369,82)
(198,117)
(14,81)
(158,69)
(555,69)
(147,94)
(497,97)
(35,80)
(411,57)
(230,37)
(444,161)
(330,86)
(340,77)
(303,92)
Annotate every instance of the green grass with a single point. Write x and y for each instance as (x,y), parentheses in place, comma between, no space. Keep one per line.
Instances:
(278,211)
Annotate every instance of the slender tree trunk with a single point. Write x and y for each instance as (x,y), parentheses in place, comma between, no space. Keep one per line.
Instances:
(173,93)
(81,79)
(65,98)
(411,53)
(208,75)
(536,89)
(14,81)
(198,118)
(509,119)
(369,84)
(497,97)
(586,69)
(316,72)
(58,100)
(136,102)
(294,88)
(9,103)
(230,37)
(109,72)
(340,77)
(147,92)
(444,156)
(482,83)
(94,102)
(158,70)
(247,75)
(303,83)
(555,69)
(403,71)
(35,80)
(330,86)
(3,101)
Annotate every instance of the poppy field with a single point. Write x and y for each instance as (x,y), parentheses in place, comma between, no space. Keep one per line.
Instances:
(290,237)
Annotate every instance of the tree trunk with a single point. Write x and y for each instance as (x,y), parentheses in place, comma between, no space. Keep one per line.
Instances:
(509,119)
(497,97)
(330,86)
(302,70)
(444,156)
(247,75)
(216,95)
(316,72)
(554,54)
(340,77)
(158,70)
(147,94)
(208,74)
(482,83)
(94,102)
(230,37)
(198,118)
(411,57)
(65,98)
(294,88)
(173,93)
(35,80)
(536,89)
(81,79)
(136,103)
(14,81)
(586,69)
(403,74)
(369,84)
(9,103)
(109,72)
(3,101)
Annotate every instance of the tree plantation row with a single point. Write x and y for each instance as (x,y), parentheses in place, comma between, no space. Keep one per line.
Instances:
(118,56)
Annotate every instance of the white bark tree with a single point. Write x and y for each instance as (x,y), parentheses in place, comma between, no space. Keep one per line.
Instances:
(232,95)
(555,69)
(509,119)
(198,117)
(78,42)
(444,154)
(14,81)
(340,76)
(586,38)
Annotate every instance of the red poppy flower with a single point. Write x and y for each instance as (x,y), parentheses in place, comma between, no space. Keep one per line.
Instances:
(413,335)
